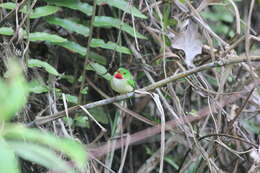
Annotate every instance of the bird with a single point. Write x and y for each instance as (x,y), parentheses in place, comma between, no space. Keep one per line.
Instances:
(122,81)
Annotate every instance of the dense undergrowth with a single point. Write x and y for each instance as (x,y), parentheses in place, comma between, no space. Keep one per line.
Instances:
(196,104)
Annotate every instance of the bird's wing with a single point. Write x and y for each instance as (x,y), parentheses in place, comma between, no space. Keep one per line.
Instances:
(131,82)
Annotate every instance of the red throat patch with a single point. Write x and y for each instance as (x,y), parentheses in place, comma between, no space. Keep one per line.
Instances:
(118,76)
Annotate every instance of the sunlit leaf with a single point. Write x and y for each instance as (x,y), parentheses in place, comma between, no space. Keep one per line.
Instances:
(105,21)
(99,69)
(109,45)
(77,48)
(8,5)
(13,94)
(73,47)
(69,25)
(84,91)
(67,146)
(71,98)
(43,36)
(35,13)
(73,4)
(99,114)
(123,5)
(82,121)
(8,161)
(41,155)
(6,31)
(43,11)
(70,78)
(37,87)
(38,63)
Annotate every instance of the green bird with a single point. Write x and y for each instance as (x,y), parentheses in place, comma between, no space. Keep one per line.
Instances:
(122,81)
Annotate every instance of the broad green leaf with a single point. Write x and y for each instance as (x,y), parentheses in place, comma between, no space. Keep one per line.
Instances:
(41,155)
(36,13)
(38,63)
(37,87)
(8,5)
(8,161)
(71,98)
(109,45)
(105,21)
(73,4)
(82,121)
(43,36)
(69,25)
(123,5)
(69,147)
(99,114)
(77,48)
(98,58)
(13,94)
(99,69)
(43,11)
(70,78)
(84,91)
(6,31)
(73,47)
(219,13)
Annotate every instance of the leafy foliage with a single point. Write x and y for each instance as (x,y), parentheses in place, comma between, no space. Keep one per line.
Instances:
(68,59)
(30,144)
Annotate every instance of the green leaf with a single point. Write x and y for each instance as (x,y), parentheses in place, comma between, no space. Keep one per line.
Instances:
(8,161)
(82,121)
(100,70)
(71,98)
(36,13)
(123,5)
(109,45)
(41,155)
(73,4)
(67,146)
(84,91)
(99,114)
(73,46)
(98,58)
(38,63)
(70,78)
(105,21)
(43,36)
(77,48)
(13,94)
(6,31)
(8,5)
(43,11)
(69,25)
(37,87)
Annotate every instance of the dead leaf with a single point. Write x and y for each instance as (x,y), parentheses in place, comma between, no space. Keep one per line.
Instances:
(189,41)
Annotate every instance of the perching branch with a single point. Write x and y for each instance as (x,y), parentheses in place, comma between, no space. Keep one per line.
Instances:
(161,83)
(100,151)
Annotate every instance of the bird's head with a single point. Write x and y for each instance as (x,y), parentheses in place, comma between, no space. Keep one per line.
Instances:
(121,73)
